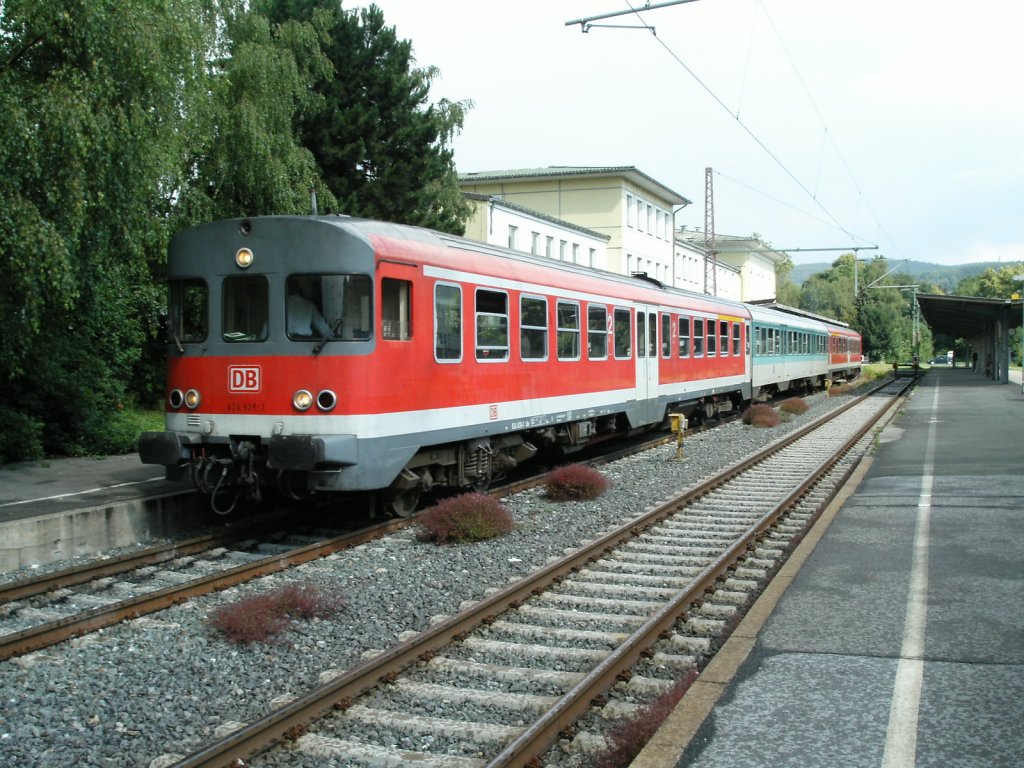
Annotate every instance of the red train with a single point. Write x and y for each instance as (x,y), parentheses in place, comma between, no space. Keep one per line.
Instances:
(327,354)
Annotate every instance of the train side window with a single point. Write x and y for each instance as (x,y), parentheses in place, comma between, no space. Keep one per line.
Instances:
(447,323)
(533,328)
(641,335)
(568,314)
(736,339)
(723,338)
(711,343)
(623,333)
(698,337)
(684,336)
(395,310)
(491,325)
(597,332)
(188,319)
(666,335)
(245,308)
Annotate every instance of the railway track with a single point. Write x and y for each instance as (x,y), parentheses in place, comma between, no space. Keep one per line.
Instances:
(38,613)
(511,678)
(44,610)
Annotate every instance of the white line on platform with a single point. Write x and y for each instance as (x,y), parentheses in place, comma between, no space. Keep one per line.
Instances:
(901,736)
(80,493)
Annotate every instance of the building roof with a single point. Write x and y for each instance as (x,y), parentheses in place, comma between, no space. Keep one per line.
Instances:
(630,172)
(494,200)
(696,237)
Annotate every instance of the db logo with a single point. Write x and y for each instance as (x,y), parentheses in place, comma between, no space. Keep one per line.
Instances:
(243,378)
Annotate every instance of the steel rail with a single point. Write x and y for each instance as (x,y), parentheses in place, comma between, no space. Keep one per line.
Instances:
(291,720)
(41,636)
(69,577)
(537,738)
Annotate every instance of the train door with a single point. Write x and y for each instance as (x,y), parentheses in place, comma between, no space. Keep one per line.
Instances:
(647,363)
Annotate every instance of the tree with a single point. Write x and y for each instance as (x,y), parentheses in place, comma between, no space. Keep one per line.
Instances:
(381,148)
(92,94)
(244,158)
(786,291)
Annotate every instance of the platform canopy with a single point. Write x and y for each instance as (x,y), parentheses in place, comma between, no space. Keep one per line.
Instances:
(967,316)
(984,324)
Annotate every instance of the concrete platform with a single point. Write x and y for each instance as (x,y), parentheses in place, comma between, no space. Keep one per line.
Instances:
(900,640)
(62,508)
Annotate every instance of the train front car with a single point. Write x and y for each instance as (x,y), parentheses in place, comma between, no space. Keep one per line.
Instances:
(269,321)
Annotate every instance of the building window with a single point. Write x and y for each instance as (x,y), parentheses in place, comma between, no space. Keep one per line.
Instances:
(575,253)
(629,210)
(593,257)
(562,246)
(549,247)
(535,243)
(513,236)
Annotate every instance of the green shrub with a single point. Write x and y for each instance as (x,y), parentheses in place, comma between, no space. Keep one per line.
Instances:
(21,437)
(795,405)
(470,517)
(760,415)
(260,617)
(575,482)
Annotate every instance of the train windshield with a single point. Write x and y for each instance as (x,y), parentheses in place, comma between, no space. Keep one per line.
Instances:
(188,318)
(328,307)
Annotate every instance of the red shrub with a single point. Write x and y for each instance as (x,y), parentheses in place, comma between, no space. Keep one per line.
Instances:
(627,738)
(260,617)
(470,517)
(795,405)
(760,415)
(575,482)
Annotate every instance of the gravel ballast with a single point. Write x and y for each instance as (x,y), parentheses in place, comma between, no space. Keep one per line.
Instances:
(163,685)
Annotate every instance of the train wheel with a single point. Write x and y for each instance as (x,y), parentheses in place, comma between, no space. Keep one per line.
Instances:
(402,503)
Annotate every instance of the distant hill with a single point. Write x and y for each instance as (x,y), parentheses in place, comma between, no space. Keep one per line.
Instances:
(946,277)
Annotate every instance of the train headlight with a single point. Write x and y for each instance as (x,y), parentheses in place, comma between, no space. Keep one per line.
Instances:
(326,400)
(192,399)
(243,257)
(302,400)
(176,399)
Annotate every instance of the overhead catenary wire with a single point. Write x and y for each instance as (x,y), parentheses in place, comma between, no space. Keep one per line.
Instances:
(585,26)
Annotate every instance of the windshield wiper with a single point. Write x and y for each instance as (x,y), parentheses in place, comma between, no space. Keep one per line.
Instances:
(327,336)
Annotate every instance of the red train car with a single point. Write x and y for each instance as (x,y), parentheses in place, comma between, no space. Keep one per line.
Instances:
(326,354)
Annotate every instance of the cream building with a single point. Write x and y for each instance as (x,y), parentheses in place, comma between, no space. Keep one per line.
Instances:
(499,222)
(634,211)
(746,265)
(614,218)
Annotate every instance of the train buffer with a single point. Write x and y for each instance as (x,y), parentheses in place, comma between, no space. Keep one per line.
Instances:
(912,369)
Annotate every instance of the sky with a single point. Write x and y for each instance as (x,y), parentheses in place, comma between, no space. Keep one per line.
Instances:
(828,124)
